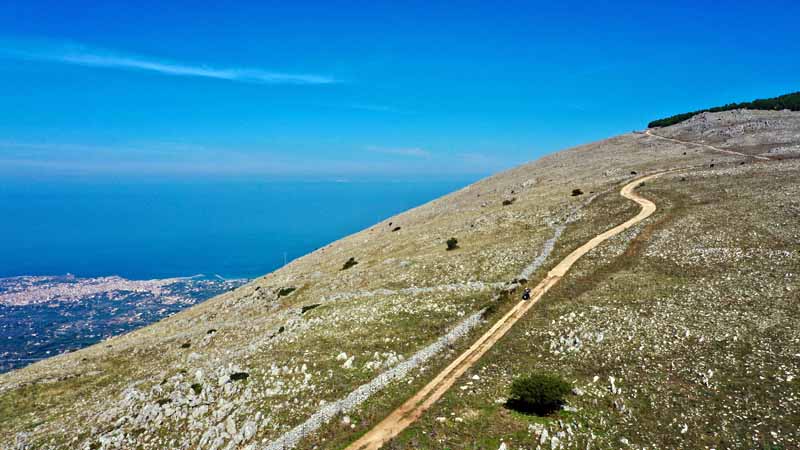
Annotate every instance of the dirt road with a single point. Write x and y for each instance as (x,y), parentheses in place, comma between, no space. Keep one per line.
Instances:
(716,149)
(413,408)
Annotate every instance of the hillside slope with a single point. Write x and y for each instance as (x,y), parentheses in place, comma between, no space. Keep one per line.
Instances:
(691,313)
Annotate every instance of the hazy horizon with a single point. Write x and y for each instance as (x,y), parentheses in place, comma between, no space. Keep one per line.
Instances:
(173,228)
(321,90)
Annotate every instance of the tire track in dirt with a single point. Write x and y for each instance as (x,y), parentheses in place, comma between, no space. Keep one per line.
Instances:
(716,149)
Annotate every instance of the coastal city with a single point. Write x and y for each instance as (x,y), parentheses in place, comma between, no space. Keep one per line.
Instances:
(43,316)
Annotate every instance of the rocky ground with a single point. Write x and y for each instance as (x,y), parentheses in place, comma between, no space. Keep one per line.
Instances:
(677,334)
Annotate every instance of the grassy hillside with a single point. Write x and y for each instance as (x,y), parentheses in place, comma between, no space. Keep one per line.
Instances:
(663,347)
(788,101)
(693,313)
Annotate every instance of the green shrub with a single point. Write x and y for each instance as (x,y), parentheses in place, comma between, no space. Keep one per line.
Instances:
(489,310)
(283,292)
(539,393)
(576,192)
(349,263)
(509,201)
(307,308)
(197,388)
(452,243)
(239,376)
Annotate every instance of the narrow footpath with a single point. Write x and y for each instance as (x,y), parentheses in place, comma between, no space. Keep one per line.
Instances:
(415,406)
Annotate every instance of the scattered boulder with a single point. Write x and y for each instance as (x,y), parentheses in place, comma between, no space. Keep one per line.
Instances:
(230,426)
(349,363)
(612,383)
(186,345)
(248,430)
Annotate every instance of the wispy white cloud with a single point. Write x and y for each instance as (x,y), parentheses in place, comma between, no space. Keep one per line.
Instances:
(415,152)
(168,158)
(377,108)
(91,57)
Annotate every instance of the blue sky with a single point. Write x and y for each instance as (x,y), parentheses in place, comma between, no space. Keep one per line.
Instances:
(363,89)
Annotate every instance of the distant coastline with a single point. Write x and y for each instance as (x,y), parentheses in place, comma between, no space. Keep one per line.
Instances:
(171,228)
(127,269)
(43,316)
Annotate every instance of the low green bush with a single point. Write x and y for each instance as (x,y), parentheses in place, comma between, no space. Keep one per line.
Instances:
(489,310)
(307,308)
(283,292)
(349,263)
(452,243)
(239,376)
(538,393)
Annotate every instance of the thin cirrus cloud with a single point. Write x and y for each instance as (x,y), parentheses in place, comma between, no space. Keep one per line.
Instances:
(90,57)
(378,108)
(414,152)
(25,159)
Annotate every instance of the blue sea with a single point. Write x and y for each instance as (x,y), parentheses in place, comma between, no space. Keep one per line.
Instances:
(83,260)
(141,229)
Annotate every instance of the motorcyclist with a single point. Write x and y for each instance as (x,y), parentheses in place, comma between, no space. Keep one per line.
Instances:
(526,294)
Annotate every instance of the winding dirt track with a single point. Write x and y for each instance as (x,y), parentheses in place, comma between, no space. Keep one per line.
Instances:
(716,149)
(413,408)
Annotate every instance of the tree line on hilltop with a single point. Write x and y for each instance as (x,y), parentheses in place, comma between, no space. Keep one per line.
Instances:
(788,101)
